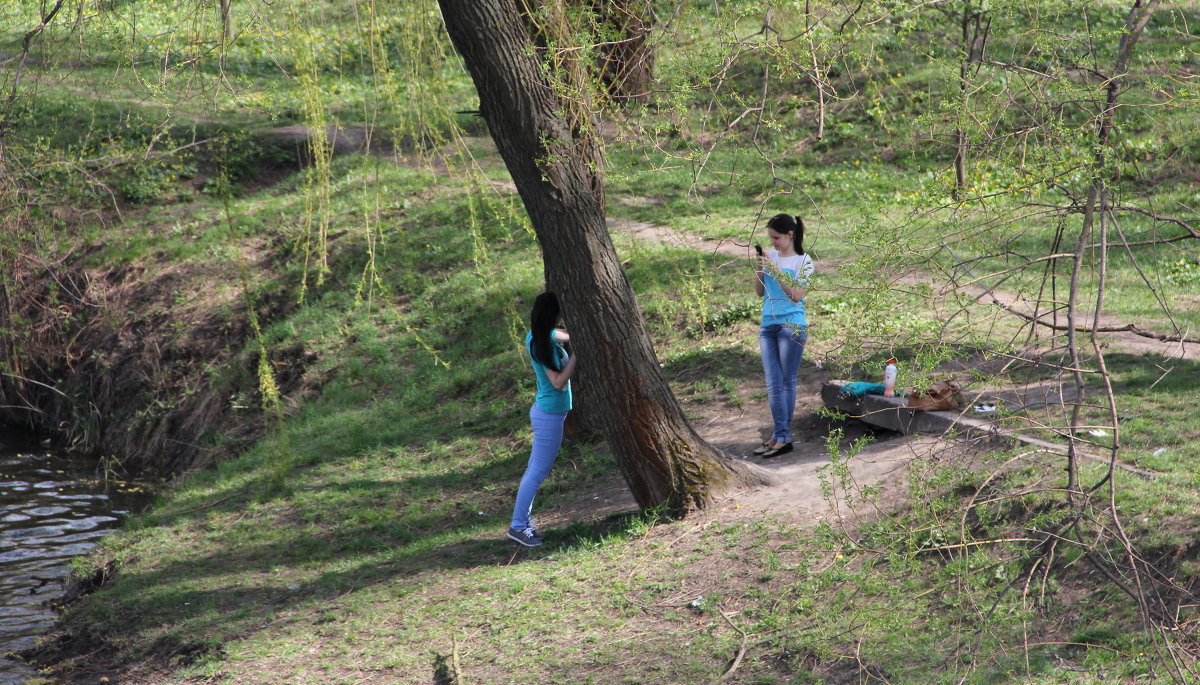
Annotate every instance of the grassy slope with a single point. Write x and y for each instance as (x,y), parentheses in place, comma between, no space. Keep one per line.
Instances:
(360,542)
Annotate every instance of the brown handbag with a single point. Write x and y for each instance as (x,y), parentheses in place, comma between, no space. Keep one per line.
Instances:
(940,396)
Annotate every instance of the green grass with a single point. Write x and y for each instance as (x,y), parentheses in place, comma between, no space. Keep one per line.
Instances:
(361,538)
(363,535)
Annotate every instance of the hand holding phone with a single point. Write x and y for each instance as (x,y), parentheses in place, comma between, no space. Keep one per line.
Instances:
(758,249)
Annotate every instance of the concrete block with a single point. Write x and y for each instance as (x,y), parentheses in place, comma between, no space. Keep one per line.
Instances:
(892,414)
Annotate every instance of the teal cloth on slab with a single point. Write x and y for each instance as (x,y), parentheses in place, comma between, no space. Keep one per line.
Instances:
(860,388)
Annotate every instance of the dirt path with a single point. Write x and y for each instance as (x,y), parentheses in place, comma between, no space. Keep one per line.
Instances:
(356,139)
(347,139)
(1124,341)
(799,495)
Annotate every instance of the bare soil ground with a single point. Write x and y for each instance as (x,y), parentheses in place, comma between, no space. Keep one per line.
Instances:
(799,495)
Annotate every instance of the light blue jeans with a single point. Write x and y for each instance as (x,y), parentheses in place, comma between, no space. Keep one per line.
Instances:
(547,438)
(782,348)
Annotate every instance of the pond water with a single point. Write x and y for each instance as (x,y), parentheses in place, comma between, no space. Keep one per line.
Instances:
(52,509)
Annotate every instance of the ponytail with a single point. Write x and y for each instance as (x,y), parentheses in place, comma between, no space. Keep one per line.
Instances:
(786,223)
(543,318)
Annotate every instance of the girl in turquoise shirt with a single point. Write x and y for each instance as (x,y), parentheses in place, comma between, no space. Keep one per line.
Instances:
(553,367)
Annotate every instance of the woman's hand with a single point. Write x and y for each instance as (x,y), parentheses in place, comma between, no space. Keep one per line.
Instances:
(559,379)
(793,289)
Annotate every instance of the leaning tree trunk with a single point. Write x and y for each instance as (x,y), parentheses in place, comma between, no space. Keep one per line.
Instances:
(626,57)
(554,160)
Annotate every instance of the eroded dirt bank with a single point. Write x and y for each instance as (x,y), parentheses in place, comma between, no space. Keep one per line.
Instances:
(146,364)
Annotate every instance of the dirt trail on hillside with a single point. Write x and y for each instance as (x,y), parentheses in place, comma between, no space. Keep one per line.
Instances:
(801,494)
(806,491)
(1124,341)
(356,139)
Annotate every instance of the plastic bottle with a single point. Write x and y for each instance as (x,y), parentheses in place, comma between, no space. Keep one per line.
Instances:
(889,379)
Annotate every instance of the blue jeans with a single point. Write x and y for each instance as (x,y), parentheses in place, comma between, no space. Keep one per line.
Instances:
(782,347)
(547,438)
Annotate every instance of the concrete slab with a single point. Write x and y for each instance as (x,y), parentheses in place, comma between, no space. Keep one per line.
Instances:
(893,414)
(1025,396)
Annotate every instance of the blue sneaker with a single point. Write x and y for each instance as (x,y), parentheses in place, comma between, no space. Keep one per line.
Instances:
(527,536)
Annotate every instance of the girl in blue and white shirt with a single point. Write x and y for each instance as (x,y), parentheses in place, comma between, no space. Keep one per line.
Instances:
(782,279)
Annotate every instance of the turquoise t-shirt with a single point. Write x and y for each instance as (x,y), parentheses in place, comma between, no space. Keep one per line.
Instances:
(777,307)
(549,398)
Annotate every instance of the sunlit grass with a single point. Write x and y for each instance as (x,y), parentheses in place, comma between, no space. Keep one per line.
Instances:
(362,536)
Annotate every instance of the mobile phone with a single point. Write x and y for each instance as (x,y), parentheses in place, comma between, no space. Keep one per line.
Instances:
(758,249)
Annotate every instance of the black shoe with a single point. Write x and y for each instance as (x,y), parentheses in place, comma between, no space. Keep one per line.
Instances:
(525,536)
(776,451)
(765,447)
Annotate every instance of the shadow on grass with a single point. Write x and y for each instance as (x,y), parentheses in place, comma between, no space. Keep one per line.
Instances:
(1142,374)
(192,622)
(705,363)
(309,547)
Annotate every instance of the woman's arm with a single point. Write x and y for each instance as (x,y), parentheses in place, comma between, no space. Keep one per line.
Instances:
(559,378)
(796,293)
(796,287)
(759,275)
(786,281)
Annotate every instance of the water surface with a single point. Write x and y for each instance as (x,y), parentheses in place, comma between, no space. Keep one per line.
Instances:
(52,509)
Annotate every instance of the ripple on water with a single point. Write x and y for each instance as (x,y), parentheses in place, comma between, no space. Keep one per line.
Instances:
(19,615)
(82,497)
(51,510)
(46,511)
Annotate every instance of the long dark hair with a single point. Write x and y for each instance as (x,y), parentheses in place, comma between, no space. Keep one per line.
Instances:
(542,320)
(786,223)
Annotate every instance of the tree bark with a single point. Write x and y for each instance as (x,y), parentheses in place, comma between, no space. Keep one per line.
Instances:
(973,43)
(960,136)
(626,61)
(550,149)
(227,19)
(1097,205)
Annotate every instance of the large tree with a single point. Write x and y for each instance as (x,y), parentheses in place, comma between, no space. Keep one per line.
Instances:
(547,137)
(626,56)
